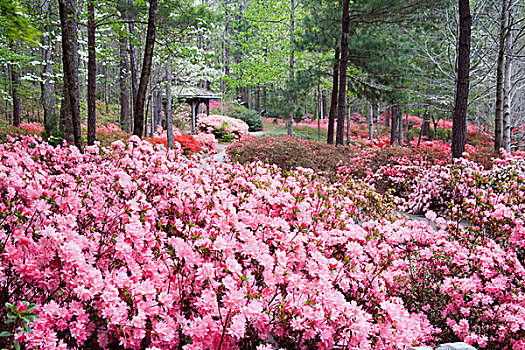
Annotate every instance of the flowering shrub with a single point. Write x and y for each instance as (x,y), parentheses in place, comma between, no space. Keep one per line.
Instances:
(290,153)
(207,142)
(468,286)
(394,168)
(109,132)
(187,142)
(135,247)
(220,124)
(23,129)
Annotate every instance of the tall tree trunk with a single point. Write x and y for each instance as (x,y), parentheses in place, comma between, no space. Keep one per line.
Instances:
(388,115)
(66,124)
(500,72)
(226,42)
(169,120)
(507,112)
(318,111)
(133,64)
(106,86)
(348,122)
(378,119)
(258,97)
(400,127)
(323,104)
(394,128)
(333,101)
(15,95)
(68,22)
(342,74)
(370,121)
(92,75)
(146,70)
(157,110)
(47,86)
(125,117)
(292,63)
(459,120)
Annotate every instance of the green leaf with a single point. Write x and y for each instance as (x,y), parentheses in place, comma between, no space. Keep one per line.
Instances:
(26,326)
(5,334)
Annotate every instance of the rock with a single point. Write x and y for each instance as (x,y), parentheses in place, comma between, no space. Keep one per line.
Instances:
(455,346)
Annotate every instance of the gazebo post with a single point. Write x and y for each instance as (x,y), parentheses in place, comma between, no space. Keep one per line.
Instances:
(208,107)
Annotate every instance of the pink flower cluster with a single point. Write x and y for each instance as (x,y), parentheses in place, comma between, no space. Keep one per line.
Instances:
(209,124)
(32,128)
(207,142)
(137,247)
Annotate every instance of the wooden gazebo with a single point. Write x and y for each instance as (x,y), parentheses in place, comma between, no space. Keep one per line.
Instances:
(194,96)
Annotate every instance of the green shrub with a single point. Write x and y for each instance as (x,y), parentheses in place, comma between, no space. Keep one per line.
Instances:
(442,134)
(252,118)
(222,134)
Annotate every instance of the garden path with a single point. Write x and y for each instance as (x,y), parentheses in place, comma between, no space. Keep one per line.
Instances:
(221,148)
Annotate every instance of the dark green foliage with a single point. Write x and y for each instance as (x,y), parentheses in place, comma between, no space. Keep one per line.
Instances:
(252,118)
(222,134)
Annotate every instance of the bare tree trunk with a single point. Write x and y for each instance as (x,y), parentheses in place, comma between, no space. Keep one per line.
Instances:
(459,120)
(318,111)
(370,121)
(258,98)
(292,62)
(65,114)
(394,128)
(323,104)
(156,111)
(348,123)
(388,112)
(400,127)
(507,112)
(342,74)
(92,75)
(125,117)
(15,96)
(146,70)
(226,42)
(106,88)
(47,86)
(333,102)
(169,120)
(133,67)
(500,71)
(378,120)
(68,21)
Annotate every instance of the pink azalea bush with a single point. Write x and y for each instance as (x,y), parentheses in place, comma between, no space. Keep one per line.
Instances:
(207,142)
(139,247)
(214,122)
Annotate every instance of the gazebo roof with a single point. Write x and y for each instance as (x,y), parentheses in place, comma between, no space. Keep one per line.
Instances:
(185,92)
